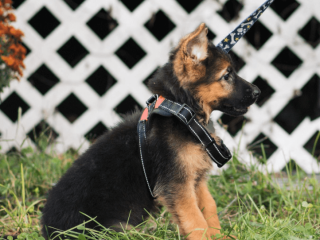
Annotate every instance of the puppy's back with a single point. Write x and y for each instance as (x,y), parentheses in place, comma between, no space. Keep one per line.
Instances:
(105,182)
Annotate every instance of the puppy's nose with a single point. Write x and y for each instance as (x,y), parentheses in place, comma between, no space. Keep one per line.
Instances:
(256,93)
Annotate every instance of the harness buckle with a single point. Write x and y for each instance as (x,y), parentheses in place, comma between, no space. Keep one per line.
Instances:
(190,111)
(152,99)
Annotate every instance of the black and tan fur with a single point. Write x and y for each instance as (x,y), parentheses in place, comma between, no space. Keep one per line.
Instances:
(107,181)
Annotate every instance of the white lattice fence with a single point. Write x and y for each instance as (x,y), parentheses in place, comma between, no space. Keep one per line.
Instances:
(89,62)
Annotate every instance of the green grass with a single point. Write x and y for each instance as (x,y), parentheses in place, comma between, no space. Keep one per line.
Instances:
(252,205)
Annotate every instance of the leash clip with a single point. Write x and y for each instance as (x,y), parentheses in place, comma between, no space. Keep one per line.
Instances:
(152,99)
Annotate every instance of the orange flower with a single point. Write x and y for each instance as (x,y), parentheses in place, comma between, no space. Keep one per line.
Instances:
(15,32)
(7,4)
(8,60)
(14,47)
(3,28)
(11,17)
(22,64)
(18,49)
(10,44)
(16,65)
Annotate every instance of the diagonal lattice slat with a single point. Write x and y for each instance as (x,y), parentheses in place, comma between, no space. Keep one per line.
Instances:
(81,96)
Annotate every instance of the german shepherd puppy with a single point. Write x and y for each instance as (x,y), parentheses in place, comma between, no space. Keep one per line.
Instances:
(108,182)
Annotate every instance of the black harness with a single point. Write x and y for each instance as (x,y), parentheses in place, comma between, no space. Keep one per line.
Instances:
(220,154)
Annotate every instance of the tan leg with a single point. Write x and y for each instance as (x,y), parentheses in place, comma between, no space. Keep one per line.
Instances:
(208,206)
(188,215)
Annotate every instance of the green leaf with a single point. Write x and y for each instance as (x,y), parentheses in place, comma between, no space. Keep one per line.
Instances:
(298,228)
(306,205)
(26,150)
(308,226)
(81,227)
(23,236)
(81,237)
(31,209)
(288,208)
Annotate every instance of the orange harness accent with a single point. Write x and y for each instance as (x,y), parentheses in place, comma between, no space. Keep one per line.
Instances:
(159,101)
(145,113)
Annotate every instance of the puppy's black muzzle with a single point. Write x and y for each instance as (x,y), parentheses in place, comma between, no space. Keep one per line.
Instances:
(252,94)
(244,95)
(255,91)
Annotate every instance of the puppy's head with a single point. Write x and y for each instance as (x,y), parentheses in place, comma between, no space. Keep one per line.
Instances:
(208,73)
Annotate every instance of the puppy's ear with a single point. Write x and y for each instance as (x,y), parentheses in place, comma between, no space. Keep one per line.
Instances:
(191,51)
(195,45)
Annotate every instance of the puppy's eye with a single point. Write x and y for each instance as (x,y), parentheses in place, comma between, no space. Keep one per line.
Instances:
(226,77)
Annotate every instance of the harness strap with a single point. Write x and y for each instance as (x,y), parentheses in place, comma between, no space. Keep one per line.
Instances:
(142,148)
(220,154)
